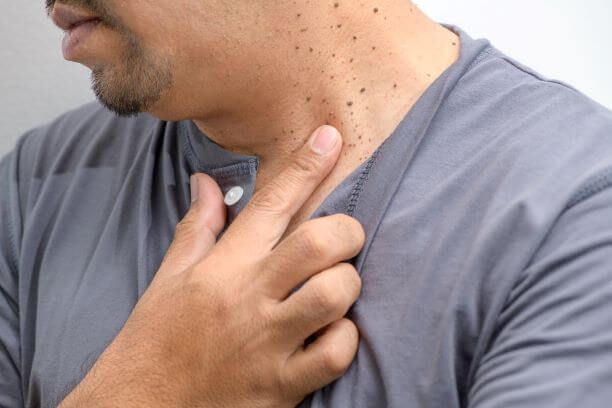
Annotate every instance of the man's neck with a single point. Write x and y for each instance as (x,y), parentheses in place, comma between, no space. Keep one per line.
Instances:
(363,80)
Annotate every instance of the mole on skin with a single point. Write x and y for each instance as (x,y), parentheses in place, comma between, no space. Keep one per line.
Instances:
(361,90)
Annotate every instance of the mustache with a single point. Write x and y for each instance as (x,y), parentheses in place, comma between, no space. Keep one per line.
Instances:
(92,5)
(96,7)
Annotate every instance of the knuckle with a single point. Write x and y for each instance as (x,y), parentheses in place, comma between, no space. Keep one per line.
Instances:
(183,227)
(304,166)
(350,336)
(328,299)
(268,315)
(285,382)
(350,229)
(351,280)
(335,360)
(271,199)
(191,223)
(312,243)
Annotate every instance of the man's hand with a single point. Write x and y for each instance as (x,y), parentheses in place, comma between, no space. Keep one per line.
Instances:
(221,324)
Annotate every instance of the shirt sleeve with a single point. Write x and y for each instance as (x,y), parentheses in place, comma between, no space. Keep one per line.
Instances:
(10,360)
(553,343)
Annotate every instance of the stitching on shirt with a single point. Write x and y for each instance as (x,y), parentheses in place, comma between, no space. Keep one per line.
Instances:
(487,52)
(233,169)
(188,152)
(13,243)
(361,181)
(484,54)
(493,52)
(229,170)
(14,259)
(593,185)
(535,75)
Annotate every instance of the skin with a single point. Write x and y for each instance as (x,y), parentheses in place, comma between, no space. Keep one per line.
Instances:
(221,324)
(259,76)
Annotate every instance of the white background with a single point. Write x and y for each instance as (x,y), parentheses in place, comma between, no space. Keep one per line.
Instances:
(569,40)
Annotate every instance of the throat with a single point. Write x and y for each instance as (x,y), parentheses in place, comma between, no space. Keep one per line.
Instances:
(364,85)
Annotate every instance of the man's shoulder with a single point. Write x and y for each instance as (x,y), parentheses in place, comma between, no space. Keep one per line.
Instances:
(530,107)
(526,132)
(89,136)
(80,131)
(506,140)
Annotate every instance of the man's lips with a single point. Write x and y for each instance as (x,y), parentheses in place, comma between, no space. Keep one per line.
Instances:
(68,19)
(78,27)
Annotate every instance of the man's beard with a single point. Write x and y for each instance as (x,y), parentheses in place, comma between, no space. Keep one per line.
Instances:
(136,85)
(139,80)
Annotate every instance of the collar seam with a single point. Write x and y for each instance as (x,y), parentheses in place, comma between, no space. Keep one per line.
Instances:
(361,182)
(228,170)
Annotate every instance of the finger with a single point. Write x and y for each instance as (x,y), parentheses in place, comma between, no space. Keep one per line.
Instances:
(314,246)
(197,232)
(326,359)
(264,220)
(324,298)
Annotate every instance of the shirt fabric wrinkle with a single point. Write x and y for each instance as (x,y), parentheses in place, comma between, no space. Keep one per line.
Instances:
(468,189)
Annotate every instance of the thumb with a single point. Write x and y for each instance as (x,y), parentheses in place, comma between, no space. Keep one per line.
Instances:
(197,232)
(264,220)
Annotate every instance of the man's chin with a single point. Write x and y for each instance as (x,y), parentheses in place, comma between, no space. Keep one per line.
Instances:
(125,108)
(122,100)
(130,92)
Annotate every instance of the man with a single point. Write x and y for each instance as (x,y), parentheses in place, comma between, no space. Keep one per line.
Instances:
(483,191)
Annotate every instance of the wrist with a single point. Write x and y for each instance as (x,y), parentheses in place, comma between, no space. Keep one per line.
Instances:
(119,381)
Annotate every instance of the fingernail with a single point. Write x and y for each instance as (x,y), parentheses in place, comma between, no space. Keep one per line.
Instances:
(193,183)
(324,140)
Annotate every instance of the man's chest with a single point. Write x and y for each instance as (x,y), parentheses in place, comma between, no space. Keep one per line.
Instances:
(414,326)
(89,251)
(430,279)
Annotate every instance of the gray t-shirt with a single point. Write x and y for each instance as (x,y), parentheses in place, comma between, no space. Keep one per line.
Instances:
(487,272)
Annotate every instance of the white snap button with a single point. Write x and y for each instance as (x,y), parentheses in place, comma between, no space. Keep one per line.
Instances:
(233,195)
